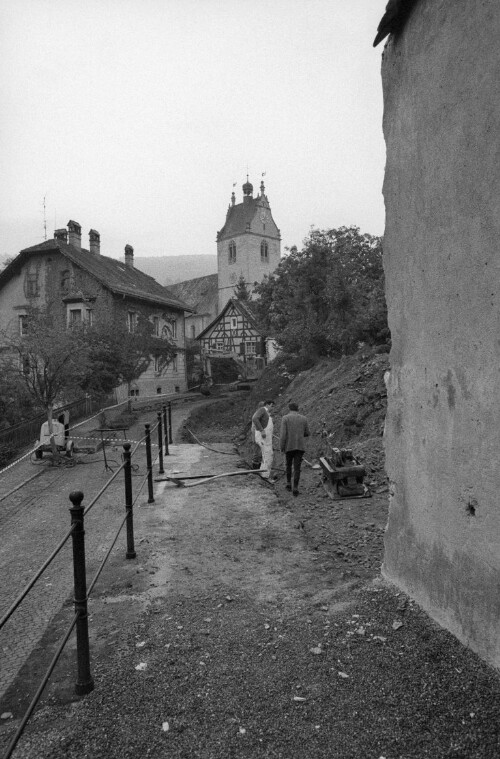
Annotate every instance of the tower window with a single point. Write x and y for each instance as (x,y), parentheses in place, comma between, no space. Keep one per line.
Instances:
(264,251)
(232,252)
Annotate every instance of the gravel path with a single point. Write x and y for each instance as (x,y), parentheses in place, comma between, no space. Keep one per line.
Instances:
(228,636)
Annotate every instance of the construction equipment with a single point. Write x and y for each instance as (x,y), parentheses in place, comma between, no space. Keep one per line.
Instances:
(343,475)
(62,441)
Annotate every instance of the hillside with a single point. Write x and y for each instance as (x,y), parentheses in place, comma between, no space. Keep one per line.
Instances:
(345,402)
(343,399)
(167,270)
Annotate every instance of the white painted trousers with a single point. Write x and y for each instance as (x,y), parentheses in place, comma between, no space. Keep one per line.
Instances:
(266,446)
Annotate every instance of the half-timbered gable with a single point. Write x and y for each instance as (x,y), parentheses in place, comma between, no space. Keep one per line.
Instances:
(234,333)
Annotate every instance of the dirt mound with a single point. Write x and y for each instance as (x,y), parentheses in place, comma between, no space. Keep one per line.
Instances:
(344,400)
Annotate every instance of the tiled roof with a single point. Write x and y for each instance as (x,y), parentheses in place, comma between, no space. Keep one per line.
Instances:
(238,217)
(395,17)
(201,293)
(113,274)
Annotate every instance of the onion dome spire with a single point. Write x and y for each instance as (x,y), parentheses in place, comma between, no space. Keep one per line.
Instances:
(248,188)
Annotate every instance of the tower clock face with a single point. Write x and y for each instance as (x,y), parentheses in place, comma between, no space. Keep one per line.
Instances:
(263,217)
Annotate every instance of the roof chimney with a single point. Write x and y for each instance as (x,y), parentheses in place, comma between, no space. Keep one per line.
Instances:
(75,234)
(94,242)
(61,235)
(129,256)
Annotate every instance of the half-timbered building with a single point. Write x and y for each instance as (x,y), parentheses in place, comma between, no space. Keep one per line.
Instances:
(234,333)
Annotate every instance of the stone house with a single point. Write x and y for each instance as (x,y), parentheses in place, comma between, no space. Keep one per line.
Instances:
(84,285)
(440,74)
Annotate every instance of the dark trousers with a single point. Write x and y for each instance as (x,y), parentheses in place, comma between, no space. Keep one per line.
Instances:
(295,458)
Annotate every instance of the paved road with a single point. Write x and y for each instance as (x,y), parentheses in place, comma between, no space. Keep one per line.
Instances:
(33,521)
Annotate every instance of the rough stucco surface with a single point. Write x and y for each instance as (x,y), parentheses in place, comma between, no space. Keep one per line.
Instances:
(442,262)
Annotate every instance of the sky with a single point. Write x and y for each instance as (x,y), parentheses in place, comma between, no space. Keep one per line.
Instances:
(135,118)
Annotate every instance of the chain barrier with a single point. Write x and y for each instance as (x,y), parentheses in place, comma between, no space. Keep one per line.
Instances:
(17,461)
(85,682)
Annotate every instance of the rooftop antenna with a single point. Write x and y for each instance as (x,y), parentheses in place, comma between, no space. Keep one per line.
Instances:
(44,219)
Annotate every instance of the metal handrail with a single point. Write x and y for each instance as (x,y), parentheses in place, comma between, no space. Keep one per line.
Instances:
(35,577)
(40,690)
(75,530)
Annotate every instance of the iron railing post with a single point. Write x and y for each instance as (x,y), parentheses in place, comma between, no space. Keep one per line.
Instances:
(169,422)
(165,429)
(149,464)
(131,554)
(84,683)
(160,444)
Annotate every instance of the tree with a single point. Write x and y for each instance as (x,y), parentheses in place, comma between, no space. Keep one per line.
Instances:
(327,297)
(56,365)
(118,355)
(50,362)
(241,291)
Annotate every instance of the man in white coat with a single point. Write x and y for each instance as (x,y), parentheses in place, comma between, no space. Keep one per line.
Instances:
(263,423)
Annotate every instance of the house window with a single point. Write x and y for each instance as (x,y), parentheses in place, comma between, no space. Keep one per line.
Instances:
(264,252)
(232,252)
(131,321)
(23,324)
(157,364)
(158,391)
(219,345)
(174,363)
(25,364)
(156,326)
(31,285)
(65,280)
(234,322)
(75,317)
(193,330)
(89,316)
(250,348)
(174,329)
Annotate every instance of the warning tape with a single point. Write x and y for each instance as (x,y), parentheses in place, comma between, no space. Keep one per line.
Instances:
(108,408)
(75,437)
(17,461)
(110,440)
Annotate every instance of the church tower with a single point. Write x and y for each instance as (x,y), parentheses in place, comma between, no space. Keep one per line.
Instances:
(248,245)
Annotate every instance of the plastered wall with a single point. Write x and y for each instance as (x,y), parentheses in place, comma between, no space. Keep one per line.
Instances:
(442,265)
(248,263)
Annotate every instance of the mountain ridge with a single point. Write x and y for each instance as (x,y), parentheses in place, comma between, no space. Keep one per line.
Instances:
(168,270)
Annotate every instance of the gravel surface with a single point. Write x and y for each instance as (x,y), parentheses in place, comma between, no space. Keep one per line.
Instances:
(255,624)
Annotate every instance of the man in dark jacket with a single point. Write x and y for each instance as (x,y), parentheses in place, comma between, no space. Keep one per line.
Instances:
(294,428)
